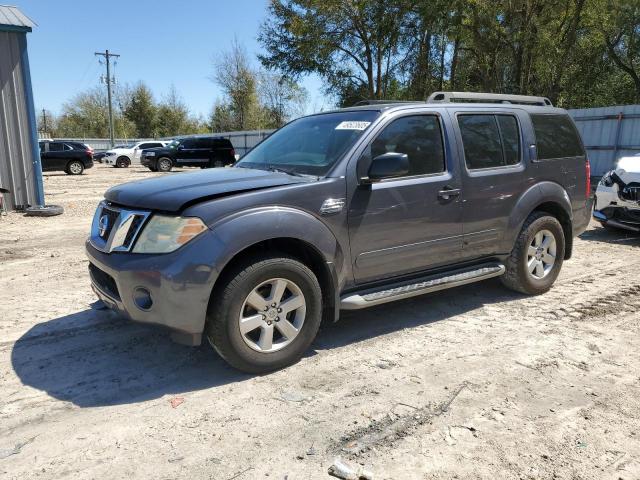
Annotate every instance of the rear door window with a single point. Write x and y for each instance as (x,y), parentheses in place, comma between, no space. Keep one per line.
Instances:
(490,141)
(556,137)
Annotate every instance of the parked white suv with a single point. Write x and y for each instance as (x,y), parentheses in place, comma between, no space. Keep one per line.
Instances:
(123,157)
(617,202)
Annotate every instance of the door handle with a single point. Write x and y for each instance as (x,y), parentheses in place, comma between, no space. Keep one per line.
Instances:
(448,192)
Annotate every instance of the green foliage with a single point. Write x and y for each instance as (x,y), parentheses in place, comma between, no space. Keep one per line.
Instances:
(576,52)
(142,111)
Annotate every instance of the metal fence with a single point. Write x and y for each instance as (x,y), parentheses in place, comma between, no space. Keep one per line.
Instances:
(242,141)
(608,133)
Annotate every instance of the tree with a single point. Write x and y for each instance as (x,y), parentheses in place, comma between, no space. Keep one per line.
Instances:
(86,116)
(281,99)
(619,28)
(173,116)
(238,80)
(356,45)
(142,111)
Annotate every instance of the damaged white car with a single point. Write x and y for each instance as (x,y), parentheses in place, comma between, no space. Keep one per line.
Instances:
(617,202)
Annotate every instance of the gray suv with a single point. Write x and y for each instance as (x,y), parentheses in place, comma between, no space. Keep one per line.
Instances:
(345,210)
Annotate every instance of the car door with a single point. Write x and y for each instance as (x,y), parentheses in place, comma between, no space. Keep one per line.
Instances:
(57,156)
(493,177)
(404,225)
(188,152)
(45,160)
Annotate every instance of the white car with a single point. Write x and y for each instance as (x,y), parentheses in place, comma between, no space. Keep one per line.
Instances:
(123,157)
(617,202)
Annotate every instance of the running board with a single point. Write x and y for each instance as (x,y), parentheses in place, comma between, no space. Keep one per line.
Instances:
(433,283)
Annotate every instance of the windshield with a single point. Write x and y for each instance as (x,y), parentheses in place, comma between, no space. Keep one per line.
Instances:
(173,143)
(309,145)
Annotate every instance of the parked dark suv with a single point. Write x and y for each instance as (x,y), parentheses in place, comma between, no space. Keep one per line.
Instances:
(66,156)
(204,152)
(345,210)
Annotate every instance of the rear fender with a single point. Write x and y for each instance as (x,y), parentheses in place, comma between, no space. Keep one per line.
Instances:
(549,193)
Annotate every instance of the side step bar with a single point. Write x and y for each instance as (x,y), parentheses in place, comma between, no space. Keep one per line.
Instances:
(433,283)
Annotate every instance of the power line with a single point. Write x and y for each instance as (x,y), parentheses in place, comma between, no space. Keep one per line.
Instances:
(109,81)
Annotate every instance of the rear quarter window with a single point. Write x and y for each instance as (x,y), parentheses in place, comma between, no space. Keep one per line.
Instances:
(556,137)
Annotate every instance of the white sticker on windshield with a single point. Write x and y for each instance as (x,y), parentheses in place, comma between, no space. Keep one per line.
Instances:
(353,125)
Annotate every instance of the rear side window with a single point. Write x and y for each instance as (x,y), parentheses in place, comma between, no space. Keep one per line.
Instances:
(556,137)
(490,141)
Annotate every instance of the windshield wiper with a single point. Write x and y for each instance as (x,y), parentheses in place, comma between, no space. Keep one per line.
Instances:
(271,168)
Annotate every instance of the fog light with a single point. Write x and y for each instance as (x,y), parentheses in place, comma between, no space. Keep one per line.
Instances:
(142,298)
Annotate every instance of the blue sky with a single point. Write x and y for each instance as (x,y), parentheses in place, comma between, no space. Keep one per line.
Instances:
(160,43)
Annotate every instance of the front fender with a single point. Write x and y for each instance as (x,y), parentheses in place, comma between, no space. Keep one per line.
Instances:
(239,231)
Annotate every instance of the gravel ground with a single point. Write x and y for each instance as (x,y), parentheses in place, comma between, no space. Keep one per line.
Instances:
(471,383)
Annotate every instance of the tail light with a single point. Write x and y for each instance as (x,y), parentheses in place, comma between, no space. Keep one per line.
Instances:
(588,181)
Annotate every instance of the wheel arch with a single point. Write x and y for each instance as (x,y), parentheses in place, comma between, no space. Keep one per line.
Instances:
(548,197)
(288,231)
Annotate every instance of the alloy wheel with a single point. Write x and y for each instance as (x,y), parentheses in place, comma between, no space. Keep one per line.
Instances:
(541,254)
(272,315)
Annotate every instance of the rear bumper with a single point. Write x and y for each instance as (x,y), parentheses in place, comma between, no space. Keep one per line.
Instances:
(178,286)
(88,164)
(582,217)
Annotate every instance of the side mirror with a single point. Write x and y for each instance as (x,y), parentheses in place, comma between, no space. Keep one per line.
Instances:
(387,165)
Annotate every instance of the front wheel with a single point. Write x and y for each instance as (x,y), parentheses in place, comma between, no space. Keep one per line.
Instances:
(122,162)
(75,167)
(536,258)
(164,164)
(266,314)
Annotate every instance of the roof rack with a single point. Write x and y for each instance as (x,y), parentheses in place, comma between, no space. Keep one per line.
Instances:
(471,97)
(381,102)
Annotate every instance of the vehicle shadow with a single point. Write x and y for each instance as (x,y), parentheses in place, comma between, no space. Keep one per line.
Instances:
(606,235)
(95,358)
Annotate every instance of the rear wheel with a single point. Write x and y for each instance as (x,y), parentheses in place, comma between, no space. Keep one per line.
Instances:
(266,314)
(164,164)
(122,162)
(536,259)
(75,167)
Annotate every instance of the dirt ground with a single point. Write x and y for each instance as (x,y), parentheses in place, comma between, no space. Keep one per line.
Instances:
(472,383)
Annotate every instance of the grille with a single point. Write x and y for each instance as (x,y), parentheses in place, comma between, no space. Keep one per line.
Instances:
(631,192)
(115,229)
(104,281)
(112,219)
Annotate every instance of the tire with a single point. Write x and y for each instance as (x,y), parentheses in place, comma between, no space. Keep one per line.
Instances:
(260,275)
(537,229)
(164,164)
(46,211)
(74,167)
(122,162)
(218,164)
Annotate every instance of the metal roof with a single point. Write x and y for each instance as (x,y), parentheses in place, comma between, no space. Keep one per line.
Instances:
(11,16)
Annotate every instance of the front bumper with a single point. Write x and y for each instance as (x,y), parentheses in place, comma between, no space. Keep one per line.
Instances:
(619,217)
(178,284)
(147,161)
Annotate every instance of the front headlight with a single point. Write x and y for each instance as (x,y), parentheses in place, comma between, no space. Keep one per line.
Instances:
(164,234)
(150,154)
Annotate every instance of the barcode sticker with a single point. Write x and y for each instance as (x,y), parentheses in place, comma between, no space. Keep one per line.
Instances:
(353,125)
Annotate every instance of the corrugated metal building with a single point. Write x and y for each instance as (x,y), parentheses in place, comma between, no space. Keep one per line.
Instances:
(609,133)
(20,170)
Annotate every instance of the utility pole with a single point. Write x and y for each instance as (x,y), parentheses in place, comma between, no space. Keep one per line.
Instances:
(44,122)
(107,56)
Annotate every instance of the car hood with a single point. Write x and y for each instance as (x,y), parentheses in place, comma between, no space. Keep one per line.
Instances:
(629,165)
(176,191)
(162,150)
